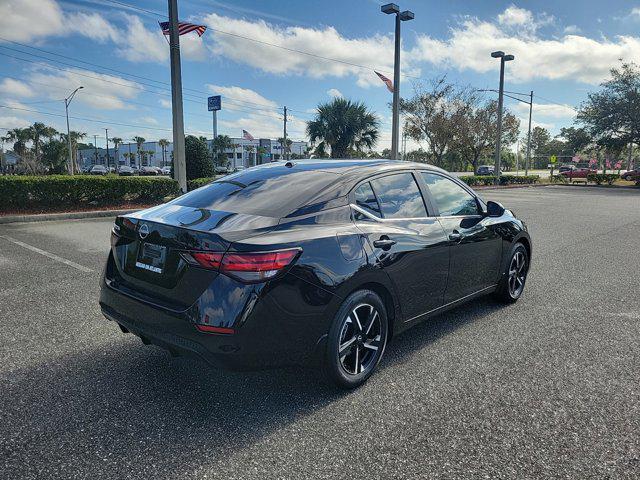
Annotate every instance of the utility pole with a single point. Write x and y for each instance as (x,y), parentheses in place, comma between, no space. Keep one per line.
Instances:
(179,165)
(106,135)
(67,102)
(286,157)
(527,161)
(389,9)
(95,147)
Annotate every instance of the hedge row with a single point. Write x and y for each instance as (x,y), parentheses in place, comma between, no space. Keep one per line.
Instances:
(600,178)
(65,190)
(475,180)
(199,182)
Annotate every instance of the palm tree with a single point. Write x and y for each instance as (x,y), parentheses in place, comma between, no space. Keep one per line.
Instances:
(343,125)
(20,137)
(37,132)
(164,143)
(219,146)
(139,142)
(249,149)
(116,143)
(284,149)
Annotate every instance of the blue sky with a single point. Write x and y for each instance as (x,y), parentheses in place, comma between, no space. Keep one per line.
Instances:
(563,50)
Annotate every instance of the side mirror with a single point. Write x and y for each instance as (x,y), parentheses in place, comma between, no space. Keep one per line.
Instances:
(494,209)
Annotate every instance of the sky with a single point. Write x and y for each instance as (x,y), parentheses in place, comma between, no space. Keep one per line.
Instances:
(250,54)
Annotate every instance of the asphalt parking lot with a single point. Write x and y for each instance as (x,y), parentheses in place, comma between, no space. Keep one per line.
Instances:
(548,387)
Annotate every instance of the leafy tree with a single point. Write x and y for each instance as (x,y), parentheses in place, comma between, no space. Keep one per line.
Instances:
(577,139)
(477,131)
(614,111)
(435,115)
(36,133)
(341,125)
(117,141)
(20,137)
(284,150)
(198,160)
(55,155)
(249,149)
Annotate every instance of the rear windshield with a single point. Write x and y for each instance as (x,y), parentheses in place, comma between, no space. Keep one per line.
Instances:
(270,191)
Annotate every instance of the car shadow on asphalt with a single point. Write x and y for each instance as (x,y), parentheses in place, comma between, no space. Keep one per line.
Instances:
(126,408)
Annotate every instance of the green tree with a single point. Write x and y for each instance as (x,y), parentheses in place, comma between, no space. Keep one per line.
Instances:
(164,143)
(36,133)
(342,125)
(55,155)
(219,146)
(117,141)
(577,139)
(139,142)
(249,149)
(284,150)
(198,159)
(19,137)
(614,111)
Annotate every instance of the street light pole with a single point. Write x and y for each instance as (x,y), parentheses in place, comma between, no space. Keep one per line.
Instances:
(106,135)
(179,165)
(503,58)
(67,102)
(392,8)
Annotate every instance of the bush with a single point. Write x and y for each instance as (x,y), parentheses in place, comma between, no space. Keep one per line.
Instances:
(600,178)
(485,180)
(558,179)
(199,182)
(197,158)
(66,190)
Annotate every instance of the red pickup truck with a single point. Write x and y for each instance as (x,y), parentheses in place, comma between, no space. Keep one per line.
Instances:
(578,172)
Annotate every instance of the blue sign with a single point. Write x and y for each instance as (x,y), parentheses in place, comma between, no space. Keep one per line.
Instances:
(214,103)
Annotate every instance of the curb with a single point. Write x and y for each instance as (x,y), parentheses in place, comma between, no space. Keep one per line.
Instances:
(508,187)
(45,217)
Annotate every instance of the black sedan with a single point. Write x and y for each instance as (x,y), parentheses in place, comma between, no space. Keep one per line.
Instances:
(317,262)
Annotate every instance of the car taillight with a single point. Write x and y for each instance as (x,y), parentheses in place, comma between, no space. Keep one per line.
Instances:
(247,267)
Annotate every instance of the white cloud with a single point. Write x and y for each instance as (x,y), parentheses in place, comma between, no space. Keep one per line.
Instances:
(241,96)
(10,122)
(92,25)
(572,29)
(165,103)
(334,92)
(17,88)
(635,12)
(547,110)
(150,120)
(515,16)
(572,57)
(376,51)
(113,91)
(27,20)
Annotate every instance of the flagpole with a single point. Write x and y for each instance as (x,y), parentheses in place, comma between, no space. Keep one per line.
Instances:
(179,164)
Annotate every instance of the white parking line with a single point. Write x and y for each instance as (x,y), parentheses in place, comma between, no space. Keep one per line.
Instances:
(47,254)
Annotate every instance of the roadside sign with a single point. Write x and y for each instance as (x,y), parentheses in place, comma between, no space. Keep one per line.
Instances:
(214,103)
(553,159)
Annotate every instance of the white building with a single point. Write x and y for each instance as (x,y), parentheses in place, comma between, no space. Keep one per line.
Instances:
(245,154)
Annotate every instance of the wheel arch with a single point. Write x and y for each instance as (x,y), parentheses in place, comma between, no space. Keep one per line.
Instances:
(387,299)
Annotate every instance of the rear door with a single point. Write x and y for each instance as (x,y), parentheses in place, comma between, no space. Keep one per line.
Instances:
(409,245)
(476,247)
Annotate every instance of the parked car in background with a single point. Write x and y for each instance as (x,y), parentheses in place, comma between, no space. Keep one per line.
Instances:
(85,170)
(98,170)
(166,171)
(578,172)
(221,169)
(149,171)
(112,170)
(566,168)
(125,171)
(239,168)
(317,262)
(633,175)
(486,170)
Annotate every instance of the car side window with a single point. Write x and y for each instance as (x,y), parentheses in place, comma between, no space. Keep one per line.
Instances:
(449,197)
(399,196)
(366,199)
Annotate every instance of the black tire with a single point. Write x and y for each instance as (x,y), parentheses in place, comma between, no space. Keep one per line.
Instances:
(357,361)
(514,276)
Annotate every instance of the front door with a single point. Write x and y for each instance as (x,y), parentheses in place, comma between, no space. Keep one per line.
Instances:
(475,247)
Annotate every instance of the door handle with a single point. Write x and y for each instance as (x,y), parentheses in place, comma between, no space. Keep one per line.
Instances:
(455,236)
(385,243)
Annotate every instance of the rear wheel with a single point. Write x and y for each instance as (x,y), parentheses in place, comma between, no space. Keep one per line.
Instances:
(513,280)
(357,340)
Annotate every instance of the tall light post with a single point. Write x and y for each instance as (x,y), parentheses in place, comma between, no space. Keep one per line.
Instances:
(503,58)
(179,165)
(67,102)
(392,8)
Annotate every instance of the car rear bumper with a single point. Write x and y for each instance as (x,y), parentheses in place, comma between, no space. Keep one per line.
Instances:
(267,336)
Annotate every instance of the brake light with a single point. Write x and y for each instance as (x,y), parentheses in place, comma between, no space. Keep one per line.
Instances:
(212,329)
(247,267)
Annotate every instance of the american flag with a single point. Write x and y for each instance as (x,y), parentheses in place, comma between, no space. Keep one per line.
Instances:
(183,27)
(247,136)
(386,81)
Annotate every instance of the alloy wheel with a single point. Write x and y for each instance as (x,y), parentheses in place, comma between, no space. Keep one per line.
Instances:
(517,274)
(360,340)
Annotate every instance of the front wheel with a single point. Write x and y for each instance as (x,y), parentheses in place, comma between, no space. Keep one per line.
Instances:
(513,279)
(357,340)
